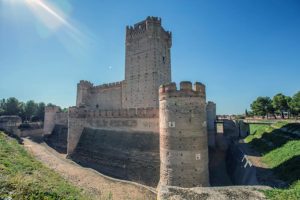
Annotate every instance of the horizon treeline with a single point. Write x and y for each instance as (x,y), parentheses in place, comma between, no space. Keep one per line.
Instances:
(279,105)
(28,111)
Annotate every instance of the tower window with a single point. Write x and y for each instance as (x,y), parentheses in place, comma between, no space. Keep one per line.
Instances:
(164,59)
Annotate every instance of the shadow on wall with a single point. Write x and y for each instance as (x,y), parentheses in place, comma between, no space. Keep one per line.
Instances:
(130,156)
(236,128)
(58,138)
(239,168)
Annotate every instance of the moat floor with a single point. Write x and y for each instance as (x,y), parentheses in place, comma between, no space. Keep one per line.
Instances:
(101,186)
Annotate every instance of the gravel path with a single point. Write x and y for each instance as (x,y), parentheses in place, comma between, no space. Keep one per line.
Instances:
(94,183)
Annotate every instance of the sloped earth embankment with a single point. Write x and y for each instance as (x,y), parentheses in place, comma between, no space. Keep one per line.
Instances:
(100,186)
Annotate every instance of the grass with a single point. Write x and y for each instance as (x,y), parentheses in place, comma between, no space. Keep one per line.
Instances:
(280,151)
(23,177)
(256,131)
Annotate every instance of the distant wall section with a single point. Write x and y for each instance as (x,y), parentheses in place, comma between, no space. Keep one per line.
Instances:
(106,96)
(54,116)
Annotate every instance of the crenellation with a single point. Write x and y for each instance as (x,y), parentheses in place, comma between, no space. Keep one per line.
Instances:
(186,86)
(84,83)
(186,90)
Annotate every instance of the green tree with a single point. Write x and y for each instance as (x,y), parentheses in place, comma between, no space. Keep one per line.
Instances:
(30,109)
(12,106)
(262,106)
(280,104)
(50,104)
(22,110)
(246,113)
(294,104)
(40,112)
(2,106)
(65,110)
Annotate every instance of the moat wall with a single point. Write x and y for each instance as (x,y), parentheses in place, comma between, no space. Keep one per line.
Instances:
(239,167)
(58,138)
(119,143)
(125,155)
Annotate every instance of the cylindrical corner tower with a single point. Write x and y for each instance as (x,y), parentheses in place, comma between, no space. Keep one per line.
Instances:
(183,135)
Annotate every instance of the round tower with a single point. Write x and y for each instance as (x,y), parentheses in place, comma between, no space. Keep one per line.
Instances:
(183,135)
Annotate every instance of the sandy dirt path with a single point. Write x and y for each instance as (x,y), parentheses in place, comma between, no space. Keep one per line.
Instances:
(94,183)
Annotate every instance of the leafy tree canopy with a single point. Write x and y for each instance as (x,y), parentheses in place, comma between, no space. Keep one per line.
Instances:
(27,111)
(261,106)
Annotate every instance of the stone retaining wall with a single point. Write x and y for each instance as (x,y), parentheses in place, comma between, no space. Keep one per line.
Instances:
(130,156)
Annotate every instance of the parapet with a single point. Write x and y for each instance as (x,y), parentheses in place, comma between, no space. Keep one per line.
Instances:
(52,109)
(211,104)
(144,25)
(108,85)
(186,90)
(75,112)
(84,83)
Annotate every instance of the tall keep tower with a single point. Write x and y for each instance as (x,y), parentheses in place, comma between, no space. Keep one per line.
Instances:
(147,64)
(183,135)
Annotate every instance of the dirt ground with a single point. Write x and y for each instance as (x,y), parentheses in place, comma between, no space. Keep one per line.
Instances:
(94,183)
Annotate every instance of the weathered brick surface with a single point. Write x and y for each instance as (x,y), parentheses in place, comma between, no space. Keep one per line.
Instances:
(183,135)
(126,155)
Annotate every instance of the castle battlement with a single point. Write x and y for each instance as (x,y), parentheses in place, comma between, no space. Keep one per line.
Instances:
(84,83)
(143,26)
(108,85)
(186,90)
(82,112)
(52,109)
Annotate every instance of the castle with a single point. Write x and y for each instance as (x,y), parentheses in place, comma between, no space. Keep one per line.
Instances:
(142,128)
(147,66)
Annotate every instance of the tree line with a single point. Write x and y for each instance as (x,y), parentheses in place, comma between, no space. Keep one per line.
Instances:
(28,111)
(278,105)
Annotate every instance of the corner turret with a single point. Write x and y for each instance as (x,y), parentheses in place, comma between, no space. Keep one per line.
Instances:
(183,135)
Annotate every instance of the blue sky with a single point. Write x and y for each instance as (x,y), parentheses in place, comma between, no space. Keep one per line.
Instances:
(239,49)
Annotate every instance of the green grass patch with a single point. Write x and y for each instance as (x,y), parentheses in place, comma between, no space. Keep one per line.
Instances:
(256,131)
(285,161)
(23,177)
(292,193)
(265,138)
(280,151)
